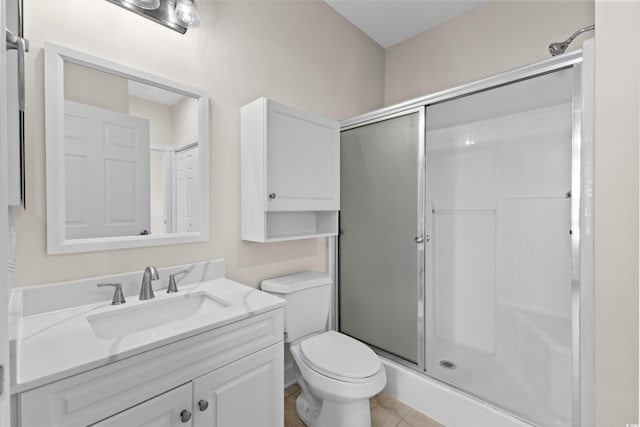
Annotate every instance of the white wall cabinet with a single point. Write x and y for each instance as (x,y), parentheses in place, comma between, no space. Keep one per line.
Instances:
(290,173)
(226,377)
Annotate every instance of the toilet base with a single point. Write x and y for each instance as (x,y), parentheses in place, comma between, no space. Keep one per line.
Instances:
(307,411)
(315,412)
(350,414)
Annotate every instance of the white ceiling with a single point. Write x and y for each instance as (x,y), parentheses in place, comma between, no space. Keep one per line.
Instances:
(391,21)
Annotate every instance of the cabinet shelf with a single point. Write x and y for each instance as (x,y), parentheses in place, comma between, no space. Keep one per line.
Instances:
(300,225)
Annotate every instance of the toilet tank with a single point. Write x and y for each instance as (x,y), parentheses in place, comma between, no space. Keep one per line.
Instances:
(308,297)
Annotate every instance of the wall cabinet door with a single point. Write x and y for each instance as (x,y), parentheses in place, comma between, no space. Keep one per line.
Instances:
(303,160)
(165,410)
(248,392)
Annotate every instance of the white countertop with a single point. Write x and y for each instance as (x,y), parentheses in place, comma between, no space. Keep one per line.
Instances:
(54,345)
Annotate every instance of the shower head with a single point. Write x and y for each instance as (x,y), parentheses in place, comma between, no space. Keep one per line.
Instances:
(560,47)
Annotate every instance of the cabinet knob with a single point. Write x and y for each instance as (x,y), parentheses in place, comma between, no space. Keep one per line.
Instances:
(203,405)
(185,416)
(272,196)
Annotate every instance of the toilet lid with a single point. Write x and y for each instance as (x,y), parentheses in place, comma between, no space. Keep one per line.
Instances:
(339,356)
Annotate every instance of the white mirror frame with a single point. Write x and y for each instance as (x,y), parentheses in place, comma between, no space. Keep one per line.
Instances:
(55,56)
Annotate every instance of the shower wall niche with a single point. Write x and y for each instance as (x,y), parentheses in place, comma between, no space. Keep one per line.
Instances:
(460,238)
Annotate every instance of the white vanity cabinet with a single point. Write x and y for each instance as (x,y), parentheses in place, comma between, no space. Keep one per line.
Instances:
(239,394)
(290,173)
(229,376)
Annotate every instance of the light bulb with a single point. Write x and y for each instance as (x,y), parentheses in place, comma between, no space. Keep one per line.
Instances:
(187,14)
(145,4)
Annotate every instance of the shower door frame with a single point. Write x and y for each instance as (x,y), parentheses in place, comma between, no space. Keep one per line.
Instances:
(582,288)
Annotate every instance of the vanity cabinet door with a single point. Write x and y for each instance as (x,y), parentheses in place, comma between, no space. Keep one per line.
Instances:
(248,392)
(165,410)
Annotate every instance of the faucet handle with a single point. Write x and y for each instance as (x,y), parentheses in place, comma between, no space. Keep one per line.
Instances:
(172,281)
(118,296)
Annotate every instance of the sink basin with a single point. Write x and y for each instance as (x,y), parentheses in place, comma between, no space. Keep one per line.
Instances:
(151,314)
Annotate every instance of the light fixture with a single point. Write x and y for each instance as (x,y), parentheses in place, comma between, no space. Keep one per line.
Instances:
(145,4)
(187,14)
(164,14)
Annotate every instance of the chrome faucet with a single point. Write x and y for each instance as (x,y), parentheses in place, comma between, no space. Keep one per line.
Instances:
(146,290)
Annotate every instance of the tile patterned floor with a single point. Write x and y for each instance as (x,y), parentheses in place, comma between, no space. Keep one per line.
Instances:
(385,412)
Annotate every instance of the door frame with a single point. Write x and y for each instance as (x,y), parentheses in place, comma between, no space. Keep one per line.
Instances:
(5,241)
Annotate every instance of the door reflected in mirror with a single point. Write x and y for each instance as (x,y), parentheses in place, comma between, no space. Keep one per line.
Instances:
(131,153)
(127,155)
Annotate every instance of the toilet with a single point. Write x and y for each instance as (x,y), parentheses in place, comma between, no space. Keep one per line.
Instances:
(336,373)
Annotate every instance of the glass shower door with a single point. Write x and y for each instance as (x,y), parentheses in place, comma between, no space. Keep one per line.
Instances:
(380,262)
(499,261)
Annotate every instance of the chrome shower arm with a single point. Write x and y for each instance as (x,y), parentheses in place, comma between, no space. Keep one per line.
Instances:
(580,31)
(560,47)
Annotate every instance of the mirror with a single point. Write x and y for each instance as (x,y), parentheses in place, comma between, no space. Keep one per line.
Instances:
(127,156)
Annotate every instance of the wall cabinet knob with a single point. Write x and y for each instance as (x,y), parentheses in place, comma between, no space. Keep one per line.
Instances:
(272,196)
(185,416)
(203,405)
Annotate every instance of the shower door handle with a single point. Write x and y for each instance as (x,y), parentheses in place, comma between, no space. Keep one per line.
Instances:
(421,239)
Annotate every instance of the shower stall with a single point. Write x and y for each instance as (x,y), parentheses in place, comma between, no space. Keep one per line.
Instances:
(465,246)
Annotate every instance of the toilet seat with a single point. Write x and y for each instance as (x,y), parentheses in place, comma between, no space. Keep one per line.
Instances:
(340,357)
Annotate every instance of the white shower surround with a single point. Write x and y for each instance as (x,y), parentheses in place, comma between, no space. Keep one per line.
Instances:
(499,262)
